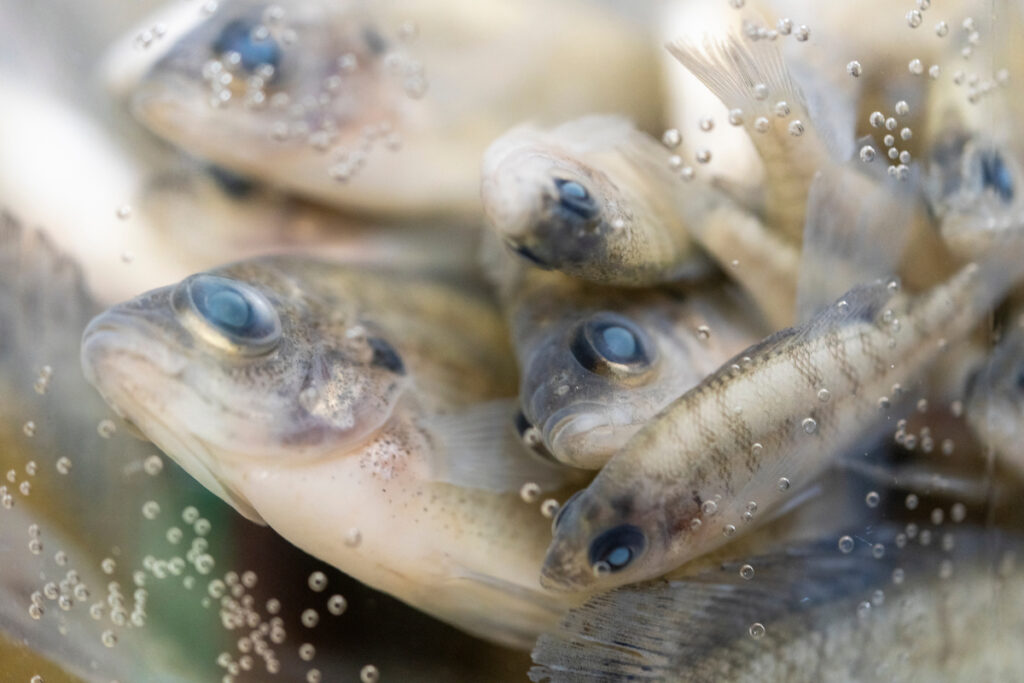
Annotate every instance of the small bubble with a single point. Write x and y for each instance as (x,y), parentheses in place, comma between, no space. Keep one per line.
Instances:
(336,604)
(904,157)
(108,638)
(529,492)
(706,124)
(29,428)
(703,332)
(796,128)
(190,514)
(549,508)
(867,154)
(946,569)
(369,674)
(915,67)
(150,509)
(695,524)
(893,153)
(878,551)
(202,526)
(877,119)
(872,499)
(747,572)
(854,68)
(35,546)
(36,679)
(63,465)
(736,117)
(757,630)
(728,530)
(671,138)
(25,488)
(934,71)
(153,465)
(845,544)
(911,501)
(124,212)
(106,428)
(957,408)
(802,33)
(958,512)
(784,484)
(914,18)
(703,156)
(810,425)
(307,651)
(864,609)
(317,581)
(310,618)
(709,507)
(897,576)
(353,537)
(890,123)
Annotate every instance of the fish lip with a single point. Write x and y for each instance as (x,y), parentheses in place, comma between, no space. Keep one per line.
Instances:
(576,423)
(114,331)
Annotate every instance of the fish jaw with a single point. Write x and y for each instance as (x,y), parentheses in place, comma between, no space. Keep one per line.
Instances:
(115,356)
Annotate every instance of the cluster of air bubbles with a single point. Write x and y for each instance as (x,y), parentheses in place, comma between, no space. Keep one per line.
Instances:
(42,382)
(146,37)
(784,27)
(900,159)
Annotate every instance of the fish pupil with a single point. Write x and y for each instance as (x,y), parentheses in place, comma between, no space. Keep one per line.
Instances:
(575,199)
(619,342)
(617,547)
(229,308)
(619,557)
(385,356)
(996,175)
(238,37)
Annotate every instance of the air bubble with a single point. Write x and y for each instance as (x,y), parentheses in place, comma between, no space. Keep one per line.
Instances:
(810,425)
(756,630)
(106,428)
(864,610)
(671,138)
(845,544)
(703,156)
(783,484)
(914,18)
(549,508)
(747,572)
(706,124)
(369,674)
(958,512)
(353,537)
(867,154)
(124,212)
(889,140)
(336,604)
(317,581)
(63,465)
(108,638)
(802,33)
(307,652)
(911,501)
(854,68)
(872,499)
(29,428)
(796,128)
(878,551)
(152,465)
(736,117)
(151,509)
(728,530)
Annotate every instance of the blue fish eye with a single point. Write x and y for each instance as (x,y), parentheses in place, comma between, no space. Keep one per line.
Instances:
(610,340)
(236,310)
(617,547)
(995,175)
(238,37)
(574,199)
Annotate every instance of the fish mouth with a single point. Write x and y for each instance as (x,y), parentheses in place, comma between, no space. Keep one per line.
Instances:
(120,357)
(586,435)
(560,572)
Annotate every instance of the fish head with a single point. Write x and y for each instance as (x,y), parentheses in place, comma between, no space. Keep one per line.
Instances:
(603,541)
(590,380)
(973,188)
(240,367)
(254,83)
(550,207)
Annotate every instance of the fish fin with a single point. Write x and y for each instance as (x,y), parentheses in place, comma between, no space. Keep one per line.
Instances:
(655,630)
(478,447)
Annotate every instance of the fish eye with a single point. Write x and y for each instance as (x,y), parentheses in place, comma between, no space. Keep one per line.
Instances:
(385,356)
(239,37)
(996,176)
(238,312)
(575,199)
(611,342)
(617,547)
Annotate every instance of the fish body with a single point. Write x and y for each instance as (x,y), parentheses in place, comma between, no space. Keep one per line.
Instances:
(380,107)
(806,612)
(772,418)
(314,397)
(995,399)
(597,363)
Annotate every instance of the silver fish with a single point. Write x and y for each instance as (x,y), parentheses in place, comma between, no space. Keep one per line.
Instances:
(597,363)
(379,107)
(807,612)
(319,399)
(710,463)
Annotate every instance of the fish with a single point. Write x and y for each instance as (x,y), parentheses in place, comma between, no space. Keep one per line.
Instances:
(702,470)
(807,612)
(596,199)
(596,363)
(320,399)
(374,107)
(994,403)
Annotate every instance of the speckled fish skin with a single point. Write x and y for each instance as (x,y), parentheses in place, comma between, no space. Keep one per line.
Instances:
(384,106)
(583,399)
(327,429)
(696,467)
(595,198)
(825,617)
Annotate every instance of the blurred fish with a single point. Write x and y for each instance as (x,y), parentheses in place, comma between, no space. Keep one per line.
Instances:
(597,363)
(375,106)
(773,418)
(358,412)
(807,612)
(594,198)
(995,399)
